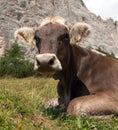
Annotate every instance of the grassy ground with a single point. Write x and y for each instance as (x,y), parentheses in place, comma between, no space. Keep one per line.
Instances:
(21,108)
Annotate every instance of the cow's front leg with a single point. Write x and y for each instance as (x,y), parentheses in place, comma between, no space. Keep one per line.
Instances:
(97,104)
(56,102)
(51,103)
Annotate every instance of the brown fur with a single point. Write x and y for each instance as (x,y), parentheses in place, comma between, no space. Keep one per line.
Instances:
(99,74)
(88,82)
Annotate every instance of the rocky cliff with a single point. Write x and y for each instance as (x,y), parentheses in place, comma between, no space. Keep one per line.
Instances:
(17,13)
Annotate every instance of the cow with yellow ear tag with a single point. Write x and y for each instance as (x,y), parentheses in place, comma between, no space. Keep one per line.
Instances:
(88,81)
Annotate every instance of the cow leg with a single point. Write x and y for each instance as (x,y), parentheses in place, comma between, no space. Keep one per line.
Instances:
(97,104)
(56,102)
(51,103)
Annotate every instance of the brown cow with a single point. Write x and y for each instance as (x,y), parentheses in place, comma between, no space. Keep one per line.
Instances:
(88,82)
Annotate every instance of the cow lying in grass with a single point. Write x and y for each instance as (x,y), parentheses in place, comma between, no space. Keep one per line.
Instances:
(88,82)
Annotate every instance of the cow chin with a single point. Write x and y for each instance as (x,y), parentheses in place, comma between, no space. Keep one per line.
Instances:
(52,73)
(47,72)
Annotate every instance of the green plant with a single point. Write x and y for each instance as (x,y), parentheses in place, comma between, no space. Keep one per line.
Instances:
(14,64)
(106,53)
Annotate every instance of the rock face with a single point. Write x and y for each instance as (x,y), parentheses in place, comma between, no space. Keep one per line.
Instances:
(2,46)
(17,13)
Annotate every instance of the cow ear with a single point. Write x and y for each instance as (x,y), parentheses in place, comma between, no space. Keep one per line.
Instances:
(78,32)
(25,35)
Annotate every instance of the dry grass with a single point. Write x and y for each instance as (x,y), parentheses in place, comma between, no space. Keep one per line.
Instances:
(21,108)
(20,102)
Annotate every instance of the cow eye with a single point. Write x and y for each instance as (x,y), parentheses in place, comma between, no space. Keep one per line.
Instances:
(37,39)
(63,37)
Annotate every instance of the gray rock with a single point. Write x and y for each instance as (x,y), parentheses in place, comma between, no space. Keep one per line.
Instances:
(17,13)
(2,46)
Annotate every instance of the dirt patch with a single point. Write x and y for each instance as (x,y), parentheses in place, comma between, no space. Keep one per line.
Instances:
(44,122)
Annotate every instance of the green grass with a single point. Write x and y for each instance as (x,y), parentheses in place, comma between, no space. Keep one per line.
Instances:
(21,108)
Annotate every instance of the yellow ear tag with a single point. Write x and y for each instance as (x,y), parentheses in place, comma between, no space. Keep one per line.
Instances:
(78,38)
(26,38)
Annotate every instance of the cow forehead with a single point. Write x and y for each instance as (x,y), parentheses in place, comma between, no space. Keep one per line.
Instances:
(52,30)
(53,20)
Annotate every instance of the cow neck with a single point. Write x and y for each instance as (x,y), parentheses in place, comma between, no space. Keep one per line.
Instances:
(68,77)
(69,73)
(82,61)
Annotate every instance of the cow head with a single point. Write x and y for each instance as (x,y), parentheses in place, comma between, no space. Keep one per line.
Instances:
(52,39)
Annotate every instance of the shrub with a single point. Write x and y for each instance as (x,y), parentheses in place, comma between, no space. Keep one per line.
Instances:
(106,53)
(14,64)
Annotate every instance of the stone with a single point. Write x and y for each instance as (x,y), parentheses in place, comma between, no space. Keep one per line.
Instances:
(2,46)
(15,14)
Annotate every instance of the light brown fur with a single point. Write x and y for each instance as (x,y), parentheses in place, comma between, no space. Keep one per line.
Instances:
(53,20)
(25,34)
(78,32)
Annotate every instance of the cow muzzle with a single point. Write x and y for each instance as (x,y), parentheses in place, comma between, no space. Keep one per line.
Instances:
(47,63)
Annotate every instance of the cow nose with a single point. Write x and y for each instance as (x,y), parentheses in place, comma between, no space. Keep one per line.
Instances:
(47,62)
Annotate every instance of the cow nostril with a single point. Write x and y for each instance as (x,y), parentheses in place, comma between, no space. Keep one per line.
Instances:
(51,61)
(38,63)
